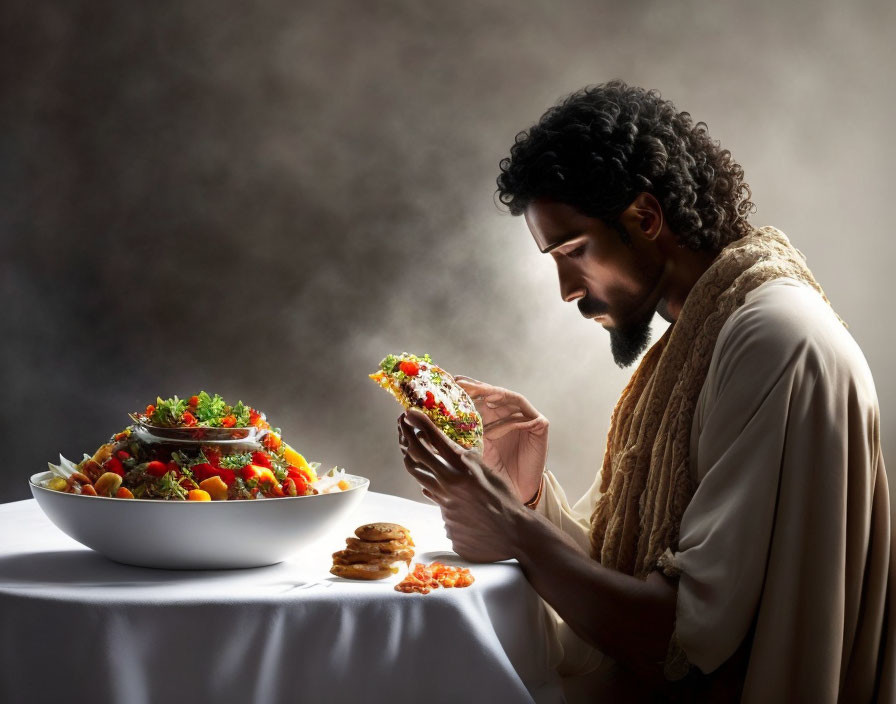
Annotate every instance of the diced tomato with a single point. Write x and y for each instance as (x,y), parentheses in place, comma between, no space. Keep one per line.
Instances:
(156,468)
(299,472)
(410,368)
(213,455)
(122,455)
(203,471)
(172,467)
(261,474)
(299,479)
(271,441)
(193,402)
(228,475)
(113,464)
(273,490)
(256,419)
(429,401)
(250,472)
(150,409)
(261,459)
(228,421)
(188,419)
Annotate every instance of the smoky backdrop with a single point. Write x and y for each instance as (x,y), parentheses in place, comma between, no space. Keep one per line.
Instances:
(263,199)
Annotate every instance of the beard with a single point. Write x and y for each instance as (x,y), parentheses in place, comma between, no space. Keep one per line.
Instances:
(628,343)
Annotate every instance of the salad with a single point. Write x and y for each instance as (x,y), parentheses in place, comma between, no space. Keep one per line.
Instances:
(141,462)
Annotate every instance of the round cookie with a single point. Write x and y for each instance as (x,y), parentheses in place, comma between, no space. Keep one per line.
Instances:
(363,571)
(350,557)
(385,546)
(375,532)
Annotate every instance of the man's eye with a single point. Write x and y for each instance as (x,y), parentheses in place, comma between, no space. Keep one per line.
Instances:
(577,252)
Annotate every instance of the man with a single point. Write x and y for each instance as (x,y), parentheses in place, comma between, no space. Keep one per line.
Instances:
(736,543)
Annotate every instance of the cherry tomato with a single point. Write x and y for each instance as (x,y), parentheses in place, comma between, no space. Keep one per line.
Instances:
(203,471)
(410,368)
(260,459)
(113,464)
(156,468)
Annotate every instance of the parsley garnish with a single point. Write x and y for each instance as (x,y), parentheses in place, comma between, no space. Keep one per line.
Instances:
(168,412)
(209,408)
(169,487)
(241,412)
(236,461)
(390,363)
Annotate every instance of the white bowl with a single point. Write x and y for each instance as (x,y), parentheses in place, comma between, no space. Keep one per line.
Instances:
(197,534)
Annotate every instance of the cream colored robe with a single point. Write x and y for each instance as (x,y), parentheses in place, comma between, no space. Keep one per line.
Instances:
(789,528)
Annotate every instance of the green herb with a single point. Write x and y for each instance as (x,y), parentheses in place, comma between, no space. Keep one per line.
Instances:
(209,408)
(169,487)
(168,412)
(241,413)
(390,363)
(236,461)
(241,490)
(436,379)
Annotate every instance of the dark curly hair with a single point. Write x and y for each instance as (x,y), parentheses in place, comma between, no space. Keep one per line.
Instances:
(603,145)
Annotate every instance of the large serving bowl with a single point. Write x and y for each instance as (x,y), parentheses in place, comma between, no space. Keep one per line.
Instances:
(197,534)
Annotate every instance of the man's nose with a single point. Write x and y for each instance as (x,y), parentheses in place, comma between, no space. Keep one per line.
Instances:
(571,289)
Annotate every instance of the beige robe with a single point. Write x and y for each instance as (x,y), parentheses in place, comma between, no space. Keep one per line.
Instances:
(788,534)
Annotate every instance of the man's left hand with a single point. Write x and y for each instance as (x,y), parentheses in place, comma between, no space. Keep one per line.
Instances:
(478,505)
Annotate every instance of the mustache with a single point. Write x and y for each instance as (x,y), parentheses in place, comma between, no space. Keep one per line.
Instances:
(591,306)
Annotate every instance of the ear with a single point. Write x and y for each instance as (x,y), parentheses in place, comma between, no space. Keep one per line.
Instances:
(643,217)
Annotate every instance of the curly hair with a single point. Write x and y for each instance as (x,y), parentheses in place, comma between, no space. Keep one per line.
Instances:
(603,145)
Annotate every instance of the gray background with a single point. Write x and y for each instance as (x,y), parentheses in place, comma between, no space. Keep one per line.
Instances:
(263,199)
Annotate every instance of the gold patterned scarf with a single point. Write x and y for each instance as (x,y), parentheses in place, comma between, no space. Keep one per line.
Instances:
(646,482)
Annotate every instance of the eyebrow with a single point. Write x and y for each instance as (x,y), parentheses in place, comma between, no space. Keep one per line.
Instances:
(566,239)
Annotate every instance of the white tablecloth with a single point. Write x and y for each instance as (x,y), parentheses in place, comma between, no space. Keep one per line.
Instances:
(75,626)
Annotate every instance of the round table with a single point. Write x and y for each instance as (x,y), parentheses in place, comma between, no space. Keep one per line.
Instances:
(75,626)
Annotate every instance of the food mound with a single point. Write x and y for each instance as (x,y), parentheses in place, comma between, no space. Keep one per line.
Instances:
(422,578)
(380,550)
(418,383)
(198,449)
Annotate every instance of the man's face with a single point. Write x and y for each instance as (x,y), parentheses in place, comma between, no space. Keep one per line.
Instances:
(615,283)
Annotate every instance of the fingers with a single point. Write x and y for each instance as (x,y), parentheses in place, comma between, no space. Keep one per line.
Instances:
(507,416)
(487,396)
(445,464)
(428,482)
(476,389)
(445,446)
(503,397)
(501,428)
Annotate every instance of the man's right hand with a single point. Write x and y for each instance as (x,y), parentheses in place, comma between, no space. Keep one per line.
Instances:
(515,441)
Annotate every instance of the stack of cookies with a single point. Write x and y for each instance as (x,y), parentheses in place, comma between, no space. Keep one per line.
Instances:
(378,550)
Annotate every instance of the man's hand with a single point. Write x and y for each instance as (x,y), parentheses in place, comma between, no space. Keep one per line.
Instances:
(626,618)
(515,441)
(477,503)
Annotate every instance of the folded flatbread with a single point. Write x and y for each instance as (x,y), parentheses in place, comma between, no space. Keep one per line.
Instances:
(418,383)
